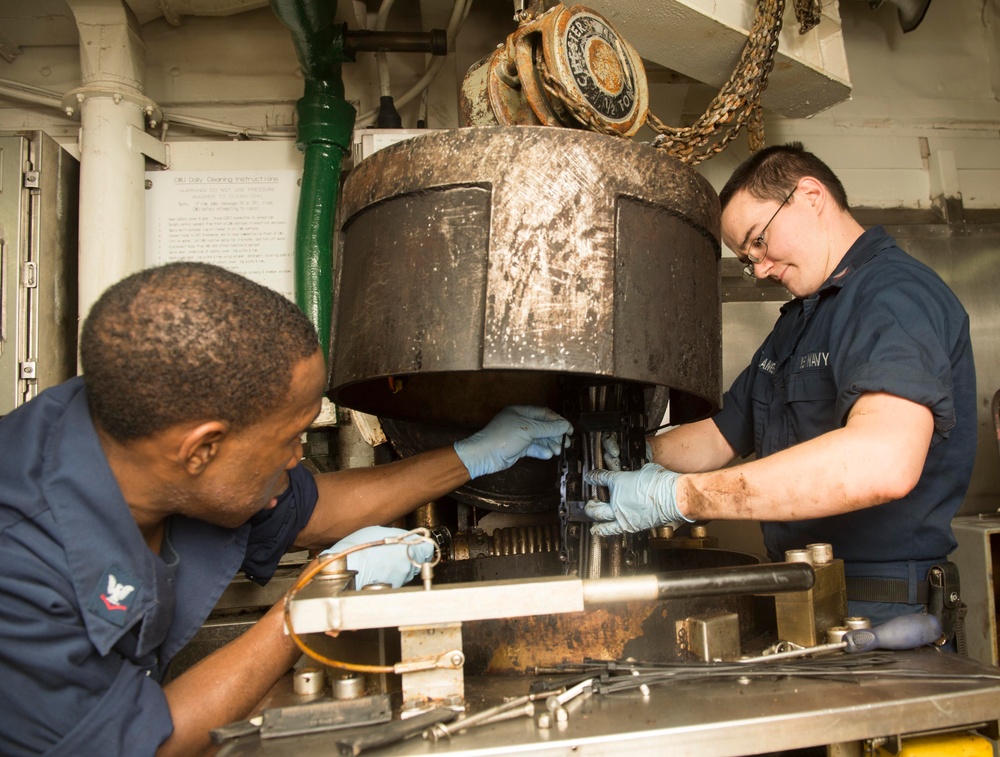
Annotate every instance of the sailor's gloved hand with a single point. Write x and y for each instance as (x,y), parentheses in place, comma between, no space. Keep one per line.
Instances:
(515,432)
(640,499)
(389,563)
(613,453)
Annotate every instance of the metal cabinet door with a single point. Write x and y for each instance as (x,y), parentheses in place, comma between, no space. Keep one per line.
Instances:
(39,184)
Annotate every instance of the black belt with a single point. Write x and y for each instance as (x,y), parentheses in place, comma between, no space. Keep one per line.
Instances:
(885,590)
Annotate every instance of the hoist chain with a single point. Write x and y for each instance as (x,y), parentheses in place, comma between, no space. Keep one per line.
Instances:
(737,103)
(807,13)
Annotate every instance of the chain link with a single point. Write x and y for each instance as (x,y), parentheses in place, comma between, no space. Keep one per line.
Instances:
(738,102)
(807,13)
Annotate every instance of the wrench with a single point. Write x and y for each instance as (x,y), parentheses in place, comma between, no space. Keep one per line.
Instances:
(902,632)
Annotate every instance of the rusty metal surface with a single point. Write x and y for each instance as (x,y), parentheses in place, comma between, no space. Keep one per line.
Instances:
(480,264)
(492,95)
(591,72)
(642,630)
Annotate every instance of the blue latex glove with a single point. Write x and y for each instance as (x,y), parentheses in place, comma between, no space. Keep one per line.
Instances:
(388,563)
(640,500)
(515,432)
(613,453)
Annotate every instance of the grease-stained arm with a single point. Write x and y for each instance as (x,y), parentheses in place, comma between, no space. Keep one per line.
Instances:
(876,457)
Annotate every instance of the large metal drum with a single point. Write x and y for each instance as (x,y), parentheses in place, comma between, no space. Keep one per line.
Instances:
(524,252)
(481,267)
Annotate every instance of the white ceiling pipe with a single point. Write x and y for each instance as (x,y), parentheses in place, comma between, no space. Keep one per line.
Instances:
(112,109)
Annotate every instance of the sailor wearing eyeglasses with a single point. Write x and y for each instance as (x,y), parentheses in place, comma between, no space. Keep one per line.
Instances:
(859,407)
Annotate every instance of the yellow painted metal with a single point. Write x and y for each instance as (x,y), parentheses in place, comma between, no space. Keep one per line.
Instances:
(944,745)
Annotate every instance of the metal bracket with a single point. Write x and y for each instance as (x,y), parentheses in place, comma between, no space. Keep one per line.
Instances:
(150,146)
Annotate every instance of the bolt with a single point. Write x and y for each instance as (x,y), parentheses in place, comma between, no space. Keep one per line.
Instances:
(70,111)
(544,720)
(457,660)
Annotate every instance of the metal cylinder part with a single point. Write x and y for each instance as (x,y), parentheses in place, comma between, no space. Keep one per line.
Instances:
(596,552)
(616,555)
(835,634)
(799,555)
(308,681)
(335,572)
(479,263)
(348,686)
(484,267)
(426,516)
(821,553)
(856,622)
(750,579)
(333,568)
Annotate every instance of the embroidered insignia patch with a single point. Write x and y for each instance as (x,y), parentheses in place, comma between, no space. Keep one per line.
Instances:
(114,594)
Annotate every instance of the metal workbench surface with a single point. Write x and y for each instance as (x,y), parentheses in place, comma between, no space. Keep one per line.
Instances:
(706,717)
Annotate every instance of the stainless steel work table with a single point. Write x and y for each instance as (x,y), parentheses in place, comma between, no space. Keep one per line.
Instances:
(705,717)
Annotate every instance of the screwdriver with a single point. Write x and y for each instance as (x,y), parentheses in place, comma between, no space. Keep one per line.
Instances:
(902,632)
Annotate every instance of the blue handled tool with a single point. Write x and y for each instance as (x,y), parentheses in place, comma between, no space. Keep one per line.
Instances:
(902,632)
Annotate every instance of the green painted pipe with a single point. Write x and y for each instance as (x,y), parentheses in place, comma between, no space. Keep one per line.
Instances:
(325,124)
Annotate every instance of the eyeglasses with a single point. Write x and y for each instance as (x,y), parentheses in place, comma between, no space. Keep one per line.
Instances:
(757,249)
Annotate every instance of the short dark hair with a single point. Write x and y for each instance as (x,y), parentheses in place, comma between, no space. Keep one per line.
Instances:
(771,173)
(189,341)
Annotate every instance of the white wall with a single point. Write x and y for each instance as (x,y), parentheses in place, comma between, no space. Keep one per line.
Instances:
(934,89)
(923,99)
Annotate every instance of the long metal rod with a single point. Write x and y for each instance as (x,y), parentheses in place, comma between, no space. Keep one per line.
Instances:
(748,579)
(770,578)
(433,42)
(313,610)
